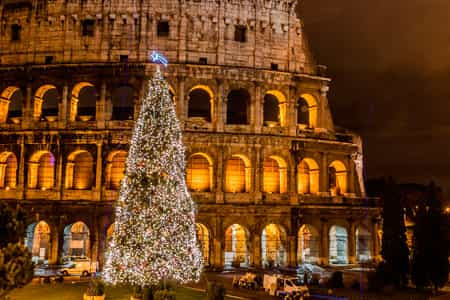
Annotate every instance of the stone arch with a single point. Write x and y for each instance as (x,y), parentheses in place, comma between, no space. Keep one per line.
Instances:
(308,176)
(238,107)
(11,104)
(76,240)
(122,99)
(274,109)
(46,103)
(79,170)
(237,250)
(203,238)
(308,244)
(238,174)
(273,246)
(8,170)
(83,101)
(109,233)
(274,175)
(199,173)
(41,170)
(338,250)
(115,169)
(337,178)
(309,113)
(363,240)
(38,241)
(201,103)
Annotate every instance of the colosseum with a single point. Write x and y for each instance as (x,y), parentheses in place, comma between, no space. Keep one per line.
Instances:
(276,182)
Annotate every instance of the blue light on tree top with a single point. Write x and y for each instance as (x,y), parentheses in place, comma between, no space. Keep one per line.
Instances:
(158,58)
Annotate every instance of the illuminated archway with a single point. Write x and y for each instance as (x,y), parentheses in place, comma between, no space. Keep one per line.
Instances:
(76,240)
(83,101)
(338,245)
(8,170)
(274,109)
(203,240)
(238,174)
(308,176)
(201,103)
(307,110)
(308,244)
(337,178)
(363,240)
(273,246)
(79,170)
(38,241)
(11,103)
(274,175)
(46,103)
(115,169)
(41,170)
(237,252)
(199,177)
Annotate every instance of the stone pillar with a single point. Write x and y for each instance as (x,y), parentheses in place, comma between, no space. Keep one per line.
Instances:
(257,175)
(21,181)
(181,105)
(351,243)
(256,245)
(217,253)
(324,243)
(220,176)
(99,169)
(60,170)
(376,248)
(64,101)
(292,112)
(351,177)
(100,116)
(28,109)
(218,107)
(292,251)
(323,184)
(95,240)
(258,111)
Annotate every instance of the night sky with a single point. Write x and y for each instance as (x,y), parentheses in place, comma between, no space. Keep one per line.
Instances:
(390,67)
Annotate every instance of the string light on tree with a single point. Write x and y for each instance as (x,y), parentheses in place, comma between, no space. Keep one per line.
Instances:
(154,237)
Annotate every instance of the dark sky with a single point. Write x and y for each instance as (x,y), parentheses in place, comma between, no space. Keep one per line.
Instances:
(389,61)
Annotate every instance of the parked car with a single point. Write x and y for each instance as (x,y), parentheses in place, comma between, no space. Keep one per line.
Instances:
(79,266)
(312,273)
(284,286)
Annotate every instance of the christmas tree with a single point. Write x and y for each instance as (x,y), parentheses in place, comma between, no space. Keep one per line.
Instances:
(154,236)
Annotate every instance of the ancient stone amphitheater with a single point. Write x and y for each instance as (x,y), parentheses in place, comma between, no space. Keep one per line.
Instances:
(276,183)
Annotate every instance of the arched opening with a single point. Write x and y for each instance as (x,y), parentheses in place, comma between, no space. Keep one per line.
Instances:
(8,170)
(363,244)
(83,102)
(46,103)
(203,240)
(41,171)
(80,171)
(115,169)
(337,178)
(238,107)
(11,105)
(237,174)
(123,103)
(308,177)
(308,245)
(237,252)
(273,246)
(109,234)
(199,171)
(38,241)
(200,103)
(307,111)
(274,175)
(271,110)
(76,240)
(338,245)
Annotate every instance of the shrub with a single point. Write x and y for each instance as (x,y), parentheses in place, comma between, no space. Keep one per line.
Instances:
(164,295)
(96,288)
(336,280)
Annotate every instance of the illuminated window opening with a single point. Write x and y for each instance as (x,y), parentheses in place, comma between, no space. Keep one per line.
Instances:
(83,102)
(76,240)
(307,111)
(203,240)
(337,178)
(41,171)
(363,240)
(274,110)
(338,245)
(11,105)
(8,170)
(199,175)
(115,169)
(237,175)
(38,241)
(201,103)
(274,175)
(80,171)
(308,245)
(308,177)
(46,103)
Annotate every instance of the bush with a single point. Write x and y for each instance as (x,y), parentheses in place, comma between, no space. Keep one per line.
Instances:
(164,295)
(336,280)
(16,268)
(216,291)
(96,288)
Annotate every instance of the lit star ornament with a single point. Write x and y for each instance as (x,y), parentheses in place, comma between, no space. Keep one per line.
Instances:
(157,57)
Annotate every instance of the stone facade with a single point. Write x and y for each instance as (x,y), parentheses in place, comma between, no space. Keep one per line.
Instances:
(274,179)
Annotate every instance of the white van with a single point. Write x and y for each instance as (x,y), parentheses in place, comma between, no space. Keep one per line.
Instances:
(79,266)
(279,285)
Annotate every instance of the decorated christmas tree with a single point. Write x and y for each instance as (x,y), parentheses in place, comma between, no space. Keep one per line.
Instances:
(154,237)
